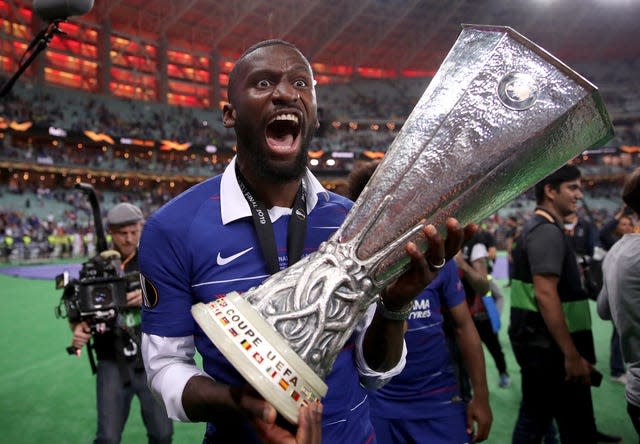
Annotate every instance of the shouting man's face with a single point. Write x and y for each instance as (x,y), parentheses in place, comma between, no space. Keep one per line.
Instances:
(273,111)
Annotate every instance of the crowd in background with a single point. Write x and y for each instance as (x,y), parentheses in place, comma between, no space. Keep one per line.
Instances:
(54,220)
(78,111)
(59,223)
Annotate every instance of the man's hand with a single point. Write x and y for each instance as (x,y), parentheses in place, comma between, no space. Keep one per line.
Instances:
(310,424)
(309,429)
(577,369)
(263,416)
(81,334)
(479,412)
(134,298)
(424,267)
(207,400)
(382,343)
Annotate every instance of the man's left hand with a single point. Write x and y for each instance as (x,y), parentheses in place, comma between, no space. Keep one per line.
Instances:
(424,267)
(134,298)
(479,419)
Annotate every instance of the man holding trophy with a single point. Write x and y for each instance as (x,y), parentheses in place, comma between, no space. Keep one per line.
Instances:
(327,287)
(206,243)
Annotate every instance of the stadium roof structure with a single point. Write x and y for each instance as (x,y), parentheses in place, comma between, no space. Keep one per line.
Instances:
(396,36)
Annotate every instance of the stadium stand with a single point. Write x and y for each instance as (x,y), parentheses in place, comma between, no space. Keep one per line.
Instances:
(133,148)
(360,117)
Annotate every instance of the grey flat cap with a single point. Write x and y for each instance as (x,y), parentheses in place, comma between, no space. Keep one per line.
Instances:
(124,214)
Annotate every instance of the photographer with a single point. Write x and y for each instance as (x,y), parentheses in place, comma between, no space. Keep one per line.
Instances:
(120,371)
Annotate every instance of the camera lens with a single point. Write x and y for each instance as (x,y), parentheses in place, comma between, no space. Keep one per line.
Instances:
(101,296)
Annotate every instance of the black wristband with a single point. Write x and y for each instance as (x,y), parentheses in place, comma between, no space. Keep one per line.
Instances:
(395,315)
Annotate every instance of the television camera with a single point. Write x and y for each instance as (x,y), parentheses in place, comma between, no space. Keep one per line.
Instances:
(99,294)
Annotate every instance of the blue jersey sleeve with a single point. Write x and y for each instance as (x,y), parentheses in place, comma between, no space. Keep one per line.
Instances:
(166,308)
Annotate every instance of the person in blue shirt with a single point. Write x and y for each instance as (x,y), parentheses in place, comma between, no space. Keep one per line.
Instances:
(204,244)
(424,403)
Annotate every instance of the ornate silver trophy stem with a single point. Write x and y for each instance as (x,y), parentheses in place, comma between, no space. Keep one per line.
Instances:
(500,114)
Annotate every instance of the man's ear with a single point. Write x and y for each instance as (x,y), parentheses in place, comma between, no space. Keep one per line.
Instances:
(228,115)
(549,192)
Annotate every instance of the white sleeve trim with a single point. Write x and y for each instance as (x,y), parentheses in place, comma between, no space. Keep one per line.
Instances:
(372,379)
(478,251)
(169,365)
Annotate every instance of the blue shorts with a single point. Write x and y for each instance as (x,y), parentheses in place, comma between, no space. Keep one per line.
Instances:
(443,430)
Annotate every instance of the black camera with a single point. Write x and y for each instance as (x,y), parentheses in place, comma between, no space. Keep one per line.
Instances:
(98,294)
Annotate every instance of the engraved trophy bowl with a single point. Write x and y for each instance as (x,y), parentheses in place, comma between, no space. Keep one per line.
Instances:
(500,114)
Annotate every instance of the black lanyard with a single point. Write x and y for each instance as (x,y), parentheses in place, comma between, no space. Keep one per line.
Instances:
(261,221)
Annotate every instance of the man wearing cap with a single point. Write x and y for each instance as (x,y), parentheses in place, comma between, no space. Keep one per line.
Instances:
(120,370)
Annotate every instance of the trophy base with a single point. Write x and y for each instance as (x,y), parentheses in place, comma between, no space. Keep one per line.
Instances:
(259,354)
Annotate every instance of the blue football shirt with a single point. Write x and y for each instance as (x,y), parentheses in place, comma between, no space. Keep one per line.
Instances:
(427,387)
(189,255)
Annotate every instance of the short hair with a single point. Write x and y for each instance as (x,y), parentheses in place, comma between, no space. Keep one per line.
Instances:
(271,42)
(631,190)
(359,177)
(566,173)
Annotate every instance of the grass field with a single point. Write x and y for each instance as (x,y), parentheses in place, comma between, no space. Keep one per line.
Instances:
(49,396)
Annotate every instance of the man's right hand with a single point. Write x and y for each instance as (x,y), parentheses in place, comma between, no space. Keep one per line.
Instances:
(309,429)
(263,417)
(206,400)
(577,369)
(81,334)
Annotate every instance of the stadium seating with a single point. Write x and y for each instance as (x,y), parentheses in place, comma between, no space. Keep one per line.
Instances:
(361,116)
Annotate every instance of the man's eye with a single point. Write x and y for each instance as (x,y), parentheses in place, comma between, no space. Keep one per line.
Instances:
(300,83)
(264,83)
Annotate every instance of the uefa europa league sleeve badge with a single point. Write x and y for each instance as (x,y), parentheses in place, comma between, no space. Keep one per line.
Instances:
(500,114)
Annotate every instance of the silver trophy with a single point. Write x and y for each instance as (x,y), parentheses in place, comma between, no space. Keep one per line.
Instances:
(500,114)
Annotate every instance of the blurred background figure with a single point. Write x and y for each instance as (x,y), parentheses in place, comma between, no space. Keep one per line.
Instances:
(427,402)
(622,223)
(619,299)
(472,264)
(120,373)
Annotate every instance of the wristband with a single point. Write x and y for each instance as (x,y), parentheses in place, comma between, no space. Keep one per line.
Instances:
(395,315)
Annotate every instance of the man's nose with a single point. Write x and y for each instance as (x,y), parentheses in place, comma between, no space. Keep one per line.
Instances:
(285,92)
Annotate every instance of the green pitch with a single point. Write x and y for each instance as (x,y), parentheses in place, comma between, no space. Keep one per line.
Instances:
(49,396)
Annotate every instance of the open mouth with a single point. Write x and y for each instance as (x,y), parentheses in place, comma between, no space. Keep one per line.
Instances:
(282,133)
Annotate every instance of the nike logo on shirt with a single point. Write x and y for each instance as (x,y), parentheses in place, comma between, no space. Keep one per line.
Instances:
(225,260)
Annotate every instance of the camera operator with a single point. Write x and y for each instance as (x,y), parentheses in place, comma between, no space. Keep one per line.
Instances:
(120,370)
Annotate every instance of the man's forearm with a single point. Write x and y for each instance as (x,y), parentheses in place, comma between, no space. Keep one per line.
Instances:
(470,346)
(476,276)
(203,399)
(383,343)
(602,305)
(551,311)
(557,326)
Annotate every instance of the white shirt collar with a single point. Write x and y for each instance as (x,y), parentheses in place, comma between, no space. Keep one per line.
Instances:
(234,206)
